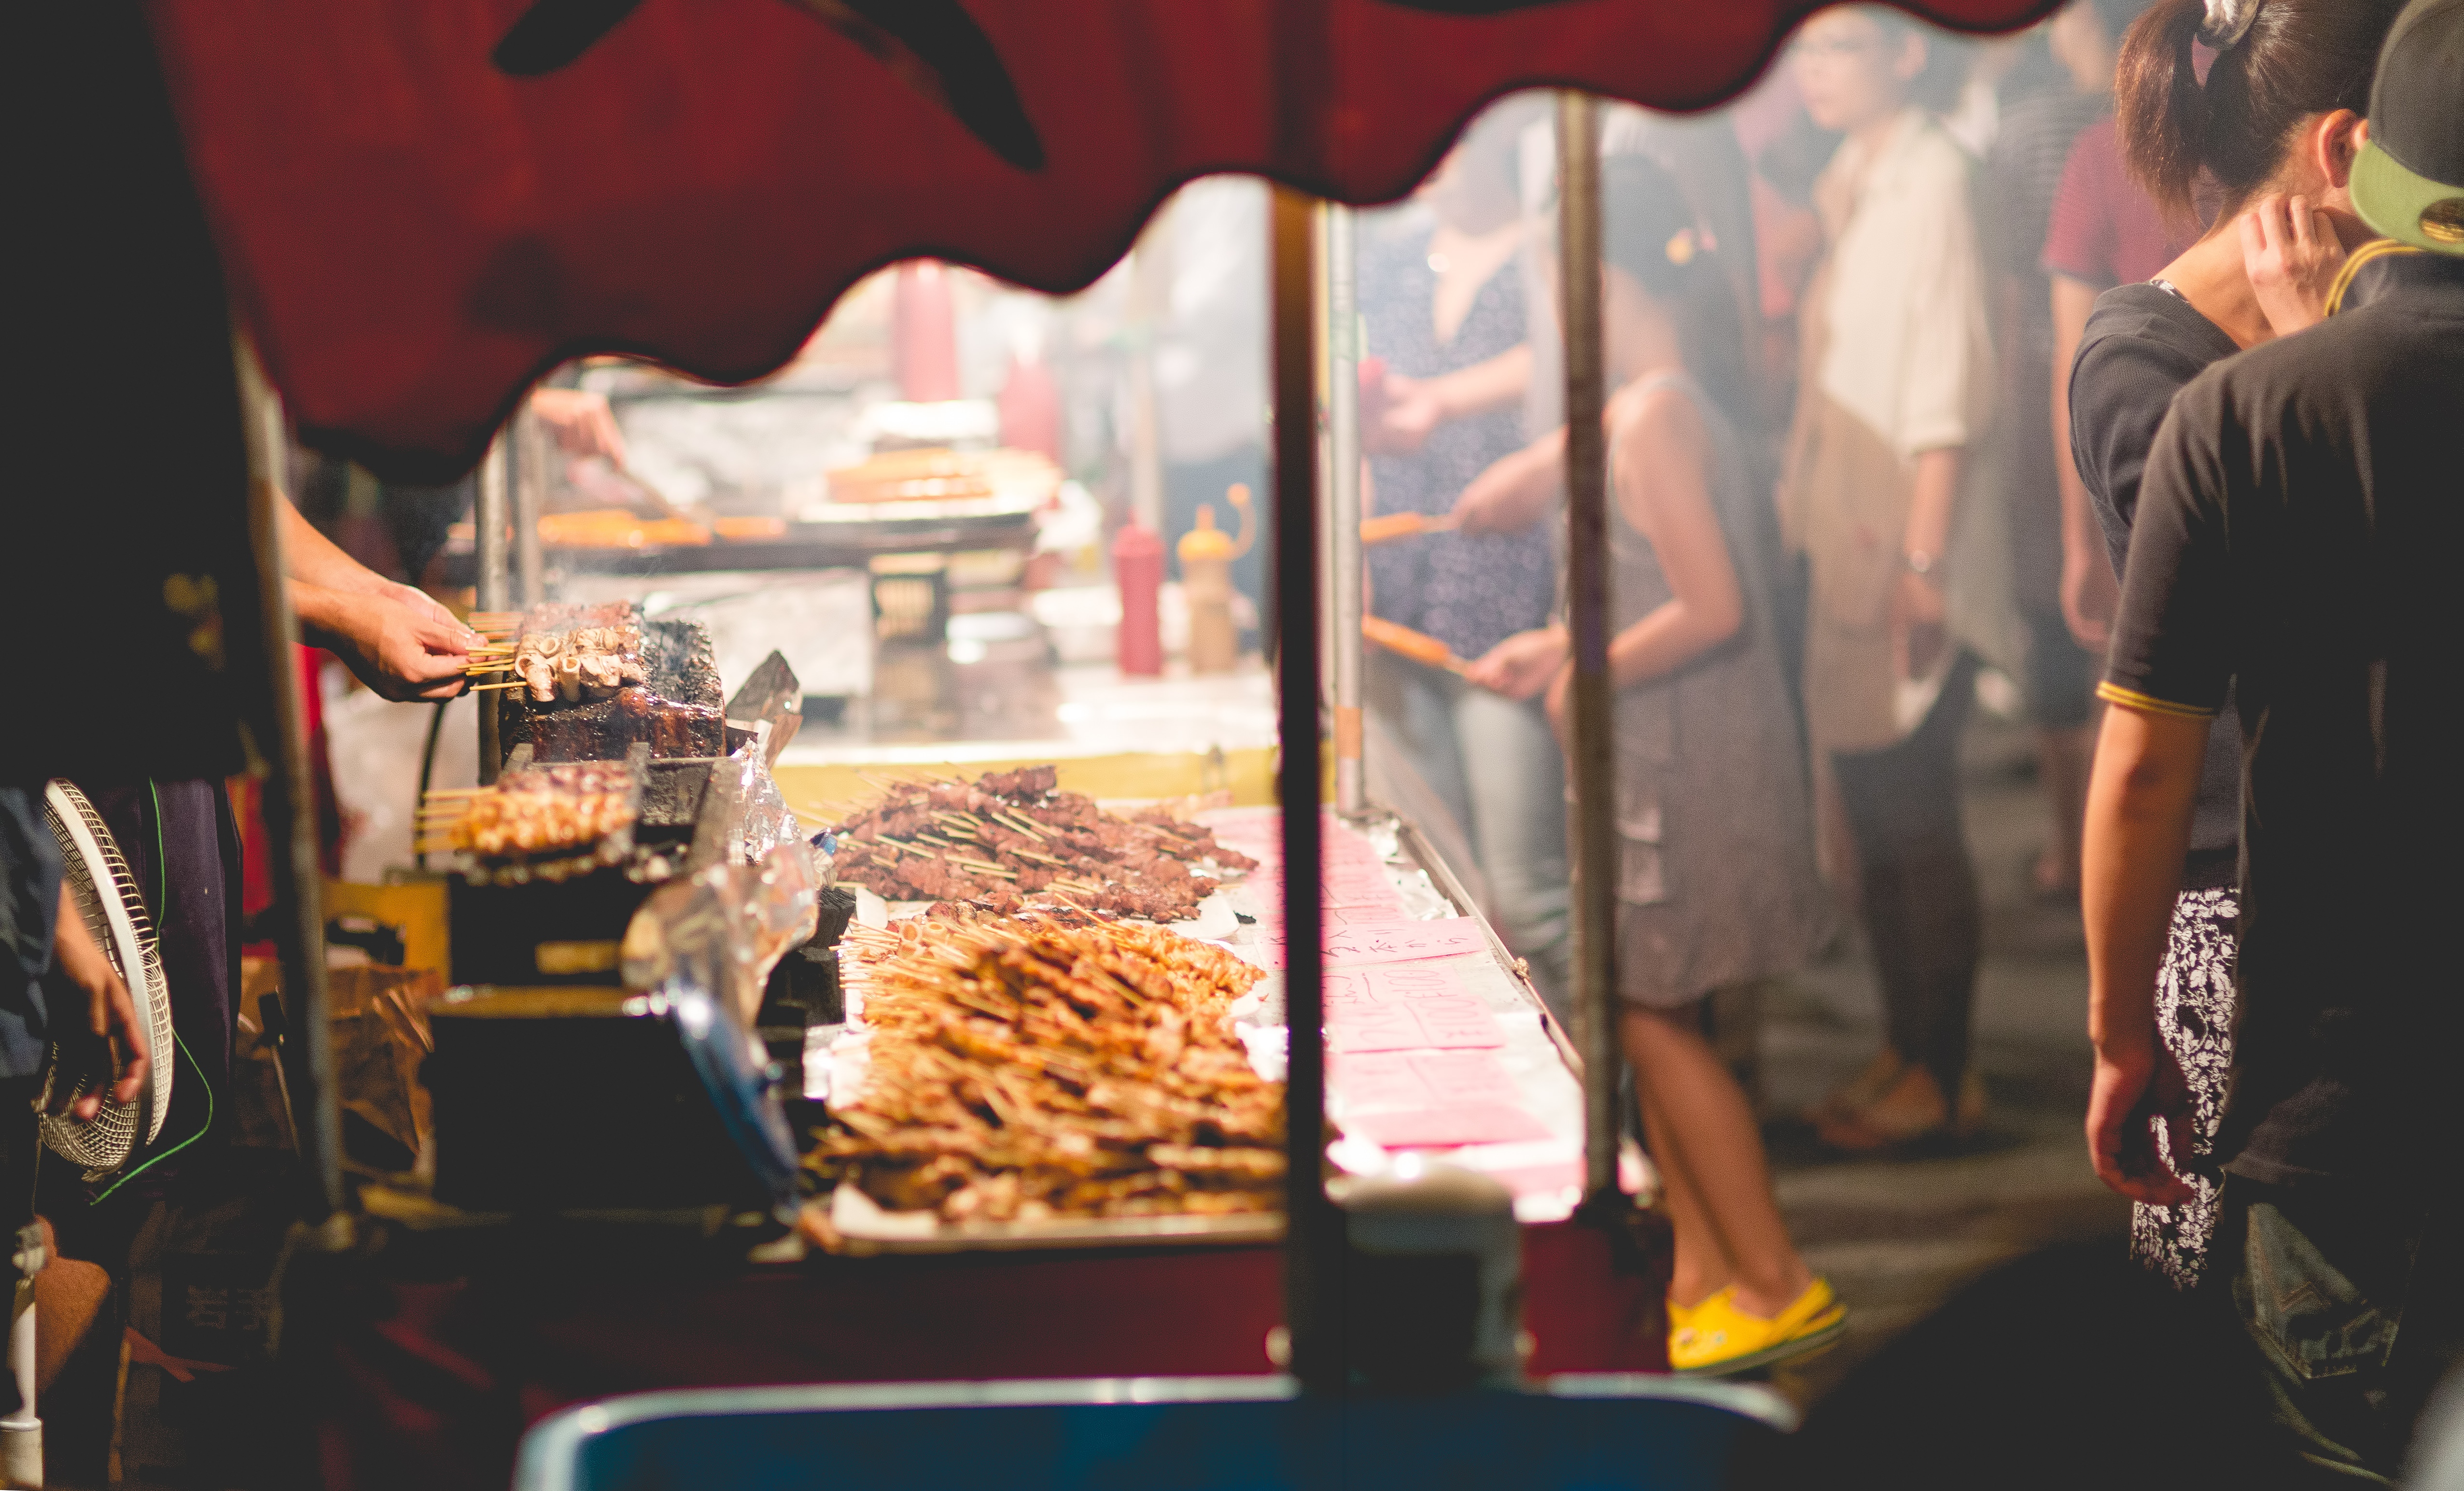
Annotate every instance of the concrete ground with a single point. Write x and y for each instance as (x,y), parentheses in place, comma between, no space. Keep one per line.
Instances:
(1898,1236)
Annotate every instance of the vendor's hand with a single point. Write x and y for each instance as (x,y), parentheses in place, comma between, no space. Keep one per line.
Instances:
(2134,1087)
(583,423)
(2291,255)
(1412,410)
(1512,492)
(399,648)
(2090,598)
(106,1035)
(1918,619)
(421,604)
(1521,666)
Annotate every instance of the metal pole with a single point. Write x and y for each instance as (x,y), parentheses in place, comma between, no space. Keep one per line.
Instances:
(1587,589)
(1150,293)
(1343,498)
(1310,1280)
(525,448)
(489,522)
(290,806)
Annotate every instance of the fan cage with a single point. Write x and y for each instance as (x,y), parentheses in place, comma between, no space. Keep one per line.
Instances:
(104,1143)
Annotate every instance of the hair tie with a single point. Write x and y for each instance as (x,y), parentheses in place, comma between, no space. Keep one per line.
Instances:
(2228,22)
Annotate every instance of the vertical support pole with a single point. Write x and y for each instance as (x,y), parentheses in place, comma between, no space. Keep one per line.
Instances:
(1587,586)
(21,1433)
(1310,1302)
(290,806)
(525,448)
(1342,500)
(490,522)
(1150,293)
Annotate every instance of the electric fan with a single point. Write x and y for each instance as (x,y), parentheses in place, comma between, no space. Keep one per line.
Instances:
(105,894)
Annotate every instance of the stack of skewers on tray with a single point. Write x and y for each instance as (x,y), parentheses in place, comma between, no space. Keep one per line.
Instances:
(585,682)
(1049,1066)
(549,822)
(1007,838)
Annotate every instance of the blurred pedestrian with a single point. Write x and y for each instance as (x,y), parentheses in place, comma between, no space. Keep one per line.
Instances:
(2023,173)
(1443,300)
(2291,76)
(1716,884)
(1896,386)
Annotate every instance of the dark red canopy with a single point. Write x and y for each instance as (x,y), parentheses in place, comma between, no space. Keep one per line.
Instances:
(422,206)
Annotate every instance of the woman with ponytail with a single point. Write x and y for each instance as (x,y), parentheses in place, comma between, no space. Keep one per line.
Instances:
(2255,152)
(1716,882)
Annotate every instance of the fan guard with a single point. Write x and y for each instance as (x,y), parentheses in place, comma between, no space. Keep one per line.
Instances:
(105,893)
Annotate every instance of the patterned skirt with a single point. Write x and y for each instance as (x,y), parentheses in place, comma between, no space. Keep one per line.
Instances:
(2194,1014)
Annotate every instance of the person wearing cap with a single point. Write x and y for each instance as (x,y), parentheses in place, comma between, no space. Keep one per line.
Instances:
(2296,532)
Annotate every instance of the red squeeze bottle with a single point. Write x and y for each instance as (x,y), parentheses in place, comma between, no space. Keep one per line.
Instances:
(1138,569)
(1030,408)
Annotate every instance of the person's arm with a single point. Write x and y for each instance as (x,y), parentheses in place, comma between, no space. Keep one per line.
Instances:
(582,423)
(1947,356)
(2140,797)
(1920,607)
(311,557)
(2090,589)
(105,1035)
(1661,465)
(2166,677)
(1416,406)
(1522,665)
(400,642)
(1517,488)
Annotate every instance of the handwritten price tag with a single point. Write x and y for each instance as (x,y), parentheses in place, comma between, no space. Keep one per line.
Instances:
(1371,941)
(1454,1076)
(1378,1080)
(1447,1128)
(1402,941)
(1442,1023)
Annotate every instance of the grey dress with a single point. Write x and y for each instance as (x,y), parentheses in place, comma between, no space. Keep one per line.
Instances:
(1716,883)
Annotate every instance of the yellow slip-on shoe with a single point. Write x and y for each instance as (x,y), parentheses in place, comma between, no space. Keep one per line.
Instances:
(1717,1338)
(1681,1322)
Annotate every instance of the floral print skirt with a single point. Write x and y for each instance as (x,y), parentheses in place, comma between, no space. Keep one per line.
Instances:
(2194,1014)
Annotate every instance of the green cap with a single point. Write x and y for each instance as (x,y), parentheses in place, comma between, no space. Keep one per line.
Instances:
(2409,180)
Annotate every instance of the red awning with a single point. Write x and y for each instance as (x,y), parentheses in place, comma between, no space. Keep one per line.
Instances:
(421,208)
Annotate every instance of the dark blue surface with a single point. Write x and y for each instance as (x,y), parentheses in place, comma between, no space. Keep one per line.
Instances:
(1488,1441)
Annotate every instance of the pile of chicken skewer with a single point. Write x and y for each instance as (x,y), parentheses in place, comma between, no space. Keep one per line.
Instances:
(542,811)
(1008,836)
(1051,1064)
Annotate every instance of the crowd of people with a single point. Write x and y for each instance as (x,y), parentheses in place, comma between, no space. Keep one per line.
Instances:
(2148,259)
(2121,357)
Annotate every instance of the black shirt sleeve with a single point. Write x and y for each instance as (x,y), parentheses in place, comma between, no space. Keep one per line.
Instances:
(2171,640)
(2141,346)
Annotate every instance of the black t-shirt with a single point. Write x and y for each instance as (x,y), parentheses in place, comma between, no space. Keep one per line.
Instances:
(2298,533)
(2141,344)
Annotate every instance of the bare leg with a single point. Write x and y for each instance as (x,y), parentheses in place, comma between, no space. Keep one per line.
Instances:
(1702,1265)
(1708,1134)
(2062,758)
